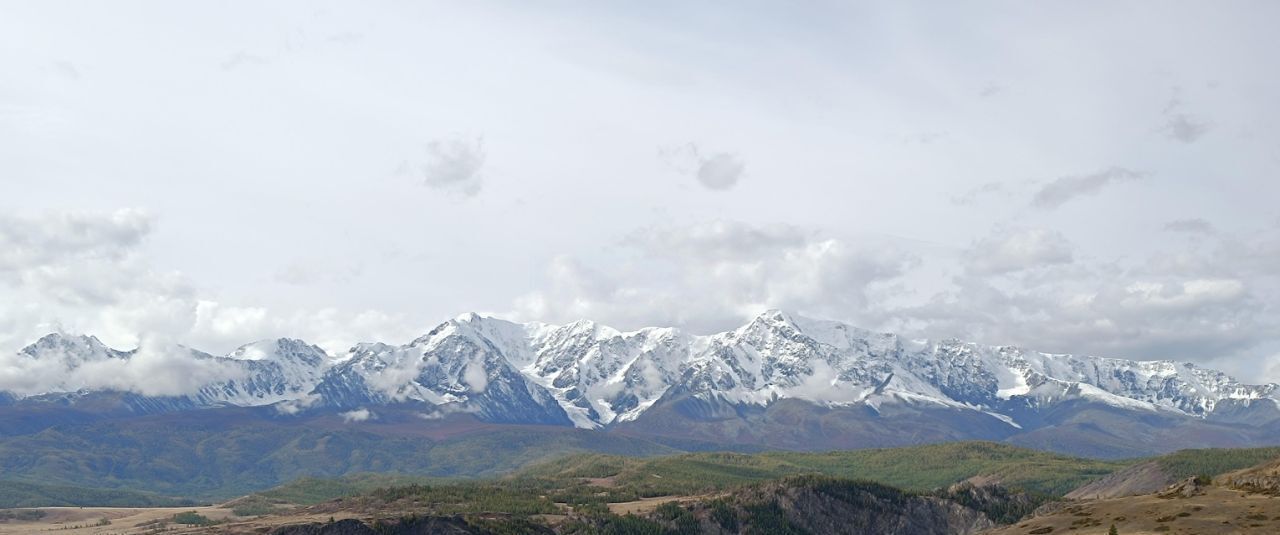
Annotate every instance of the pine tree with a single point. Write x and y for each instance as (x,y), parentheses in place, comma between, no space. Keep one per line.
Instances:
(1113,530)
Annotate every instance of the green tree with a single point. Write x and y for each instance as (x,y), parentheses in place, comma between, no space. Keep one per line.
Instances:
(1113,531)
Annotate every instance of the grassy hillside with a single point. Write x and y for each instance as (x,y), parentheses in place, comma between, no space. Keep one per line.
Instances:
(1213,462)
(919,468)
(15,494)
(216,461)
(310,490)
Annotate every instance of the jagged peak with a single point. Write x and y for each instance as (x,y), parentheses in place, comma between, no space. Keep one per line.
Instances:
(64,343)
(770,321)
(776,315)
(273,348)
(469,317)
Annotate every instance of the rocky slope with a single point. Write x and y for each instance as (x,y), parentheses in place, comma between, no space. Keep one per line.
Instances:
(1263,479)
(1141,478)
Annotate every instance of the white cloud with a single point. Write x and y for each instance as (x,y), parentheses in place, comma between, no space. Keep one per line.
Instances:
(31,245)
(1273,370)
(1016,250)
(1184,295)
(156,368)
(295,406)
(86,273)
(1205,300)
(711,276)
(358,415)
(476,377)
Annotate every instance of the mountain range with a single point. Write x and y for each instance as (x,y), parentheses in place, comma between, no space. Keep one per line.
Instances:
(780,381)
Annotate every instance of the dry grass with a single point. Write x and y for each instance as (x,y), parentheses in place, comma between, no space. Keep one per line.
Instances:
(1217,511)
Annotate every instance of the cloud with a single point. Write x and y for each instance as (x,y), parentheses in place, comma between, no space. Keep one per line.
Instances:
(1064,189)
(969,197)
(720,171)
(1273,369)
(1016,250)
(476,377)
(991,90)
(1184,128)
(1190,226)
(358,415)
(454,165)
(87,273)
(1206,300)
(67,69)
(717,171)
(1181,126)
(295,406)
(241,59)
(30,244)
(157,368)
(316,272)
(712,276)
(84,272)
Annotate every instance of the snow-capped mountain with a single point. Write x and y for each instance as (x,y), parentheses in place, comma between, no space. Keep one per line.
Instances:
(174,376)
(455,364)
(593,376)
(272,371)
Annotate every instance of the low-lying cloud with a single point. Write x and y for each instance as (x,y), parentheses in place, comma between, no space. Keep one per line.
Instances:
(358,415)
(156,368)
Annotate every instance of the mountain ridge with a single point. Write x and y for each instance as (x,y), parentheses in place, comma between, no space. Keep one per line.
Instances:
(592,376)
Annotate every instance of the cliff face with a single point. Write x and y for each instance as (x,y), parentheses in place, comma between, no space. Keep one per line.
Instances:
(810,504)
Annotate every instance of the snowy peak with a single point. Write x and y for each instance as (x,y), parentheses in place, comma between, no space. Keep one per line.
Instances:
(593,376)
(281,350)
(465,362)
(71,348)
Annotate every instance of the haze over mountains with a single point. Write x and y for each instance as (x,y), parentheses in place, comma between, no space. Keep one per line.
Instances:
(780,381)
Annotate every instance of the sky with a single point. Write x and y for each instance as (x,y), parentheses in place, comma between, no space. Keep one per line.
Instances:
(1078,177)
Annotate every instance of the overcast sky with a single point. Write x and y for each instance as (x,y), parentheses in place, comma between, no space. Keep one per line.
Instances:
(1088,177)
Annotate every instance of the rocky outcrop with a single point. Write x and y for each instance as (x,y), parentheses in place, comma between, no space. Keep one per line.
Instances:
(1187,488)
(1263,479)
